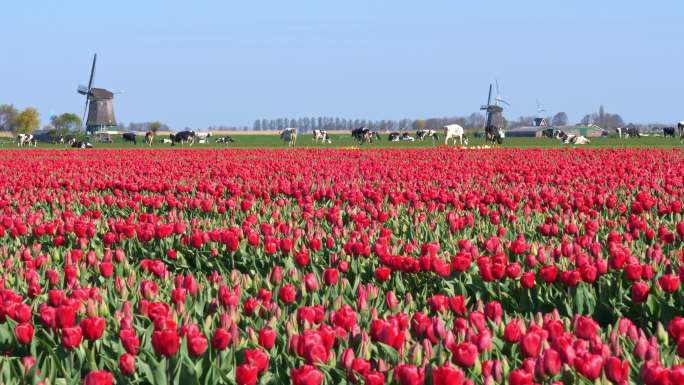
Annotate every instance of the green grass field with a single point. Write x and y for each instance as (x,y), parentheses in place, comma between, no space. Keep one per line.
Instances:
(342,141)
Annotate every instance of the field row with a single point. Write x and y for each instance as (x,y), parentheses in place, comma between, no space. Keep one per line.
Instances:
(341,266)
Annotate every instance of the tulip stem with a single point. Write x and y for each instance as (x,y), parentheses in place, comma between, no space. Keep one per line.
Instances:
(169,375)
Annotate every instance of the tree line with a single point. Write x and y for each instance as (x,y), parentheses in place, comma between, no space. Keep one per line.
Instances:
(28,120)
(308,124)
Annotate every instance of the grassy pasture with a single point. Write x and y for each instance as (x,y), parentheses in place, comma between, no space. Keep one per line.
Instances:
(345,140)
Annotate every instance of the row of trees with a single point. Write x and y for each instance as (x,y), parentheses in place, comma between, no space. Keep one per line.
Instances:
(28,121)
(335,123)
(21,122)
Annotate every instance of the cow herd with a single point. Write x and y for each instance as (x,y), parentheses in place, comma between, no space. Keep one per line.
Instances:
(633,132)
(361,135)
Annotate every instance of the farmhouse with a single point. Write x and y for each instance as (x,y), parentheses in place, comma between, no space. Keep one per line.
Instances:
(535,130)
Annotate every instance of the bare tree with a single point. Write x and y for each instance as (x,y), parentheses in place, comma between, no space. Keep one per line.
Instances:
(560,119)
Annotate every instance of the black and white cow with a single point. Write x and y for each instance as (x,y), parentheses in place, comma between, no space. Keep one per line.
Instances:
(225,140)
(571,138)
(405,137)
(628,132)
(364,134)
(321,135)
(549,133)
(668,131)
(289,136)
(422,134)
(394,136)
(494,134)
(79,144)
(25,140)
(129,137)
(182,137)
(680,128)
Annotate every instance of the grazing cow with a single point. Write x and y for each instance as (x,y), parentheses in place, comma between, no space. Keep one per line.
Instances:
(225,140)
(364,134)
(130,137)
(628,132)
(549,133)
(668,131)
(321,135)
(453,131)
(149,138)
(680,128)
(422,134)
(79,144)
(183,137)
(407,138)
(25,140)
(289,136)
(571,138)
(203,137)
(494,134)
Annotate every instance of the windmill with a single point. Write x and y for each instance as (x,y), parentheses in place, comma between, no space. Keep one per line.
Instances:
(494,124)
(540,120)
(498,98)
(98,105)
(540,110)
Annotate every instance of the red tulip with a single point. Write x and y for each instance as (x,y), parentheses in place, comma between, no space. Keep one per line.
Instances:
(409,375)
(98,377)
(65,316)
(127,364)
(129,341)
(311,282)
(246,374)
(166,342)
(552,362)
(71,337)
(267,337)
(330,276)
(527,280)
(589,366)
(220,339)
(447,375)
(513,331)
(616,370)
(287,294)
(93,327)
(257,358)
(197,345)
(306,375)
(519,377)
(465,354)
(586,328)
(669,283)
(530,344)
(639,292)
(374,378)
(382,274)
(24,333)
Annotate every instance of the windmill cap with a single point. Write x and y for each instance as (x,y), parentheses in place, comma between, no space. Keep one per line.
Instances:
(101,93)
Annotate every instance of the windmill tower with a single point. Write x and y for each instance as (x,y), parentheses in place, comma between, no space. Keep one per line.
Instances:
(540,120)
(494,123)
(98,105)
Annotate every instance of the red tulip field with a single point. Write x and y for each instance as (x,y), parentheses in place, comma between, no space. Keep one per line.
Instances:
(307,267)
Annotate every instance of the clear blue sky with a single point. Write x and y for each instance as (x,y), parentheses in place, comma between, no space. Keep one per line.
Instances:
(200,63)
